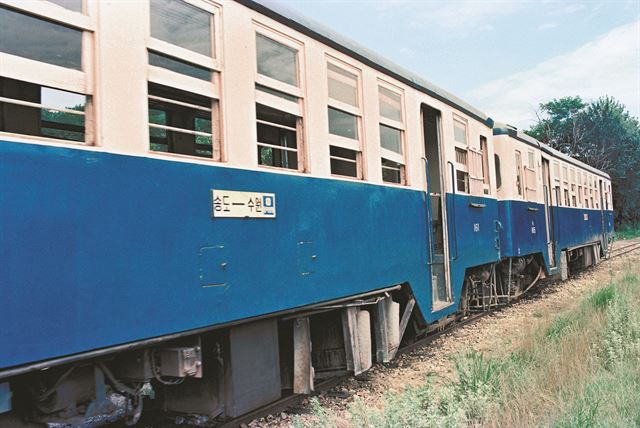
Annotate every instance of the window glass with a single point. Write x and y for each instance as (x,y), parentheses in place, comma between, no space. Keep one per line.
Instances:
(462,181)
(343,161)
(531,160)
(277,138)
(40,40)
(390,104)
(74,5)
(498,172)
(178,66)
(52,113)
(343,124)
(392,171)
(460,132)
(343,86)
(391,138)
(182,24)
(276,60)
(279,94)
(179,122)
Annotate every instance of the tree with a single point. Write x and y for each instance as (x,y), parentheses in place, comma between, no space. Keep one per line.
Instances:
(602,134)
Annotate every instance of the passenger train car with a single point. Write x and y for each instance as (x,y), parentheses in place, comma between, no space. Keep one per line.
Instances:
(206,205)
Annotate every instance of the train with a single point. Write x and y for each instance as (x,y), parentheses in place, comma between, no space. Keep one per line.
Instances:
(208,205)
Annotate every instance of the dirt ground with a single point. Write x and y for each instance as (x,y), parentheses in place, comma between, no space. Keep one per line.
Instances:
(492,334)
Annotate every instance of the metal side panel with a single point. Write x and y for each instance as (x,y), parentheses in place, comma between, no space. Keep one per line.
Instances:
(254,379)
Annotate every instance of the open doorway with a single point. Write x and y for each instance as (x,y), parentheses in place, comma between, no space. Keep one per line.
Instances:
(437,211)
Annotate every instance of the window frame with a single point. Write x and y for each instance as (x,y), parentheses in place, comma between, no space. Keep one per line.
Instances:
(357,145)
(284,39)
(278,103)
(399,126)
(54,76)
(520,190)
(166,77)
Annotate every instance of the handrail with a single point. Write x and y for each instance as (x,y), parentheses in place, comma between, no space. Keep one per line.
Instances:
(455,228)
(429,213)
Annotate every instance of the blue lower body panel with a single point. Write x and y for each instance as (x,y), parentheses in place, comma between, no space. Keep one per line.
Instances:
(473,235)
(100,249)
(524,228)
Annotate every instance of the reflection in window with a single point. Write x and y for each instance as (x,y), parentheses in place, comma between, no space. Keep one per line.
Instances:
(27,108)
(277,138)
(40,40)
(178,66)
(391,138)
(343,161)
(390,104)
(181,24)
(180,122)
(392,172)
(343,86)
(276,60)
(343,124)
(74,5)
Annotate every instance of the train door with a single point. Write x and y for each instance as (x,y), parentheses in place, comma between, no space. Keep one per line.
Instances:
(436,209)
(548,212)
(603,231)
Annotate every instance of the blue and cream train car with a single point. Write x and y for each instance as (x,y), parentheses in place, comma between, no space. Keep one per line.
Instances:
(206,205)
(550,205)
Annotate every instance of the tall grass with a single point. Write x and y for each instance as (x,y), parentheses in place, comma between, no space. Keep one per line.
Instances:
(627,231)
(579,368)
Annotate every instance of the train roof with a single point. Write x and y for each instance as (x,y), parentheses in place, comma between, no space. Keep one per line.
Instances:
(512,131)
(326,35)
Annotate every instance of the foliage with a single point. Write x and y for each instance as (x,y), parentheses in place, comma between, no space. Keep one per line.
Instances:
(602,134)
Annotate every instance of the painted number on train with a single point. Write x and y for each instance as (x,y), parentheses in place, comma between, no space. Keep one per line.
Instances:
(233,204)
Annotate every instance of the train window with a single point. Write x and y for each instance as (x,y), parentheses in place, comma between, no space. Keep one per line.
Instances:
(345,118)
(276,60)
(344,161)
(183,25)
(279,94)
(343,85)
(40,40)
(580,194)
(343,124)
(74,5)
(567,202)
(531,160)
(179,66)
(390,104)
(485,165)
(565,175)
(392,172)
(519,172)
(181,122)
(462,181)
(496,159)
(391,128)
(391,138)
(460,131)
(277,138)
(37,110)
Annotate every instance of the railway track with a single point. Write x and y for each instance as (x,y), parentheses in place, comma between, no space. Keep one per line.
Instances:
(615,251)
(295,400)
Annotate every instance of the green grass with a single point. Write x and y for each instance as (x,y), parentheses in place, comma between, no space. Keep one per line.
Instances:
(578,368)
(627,231)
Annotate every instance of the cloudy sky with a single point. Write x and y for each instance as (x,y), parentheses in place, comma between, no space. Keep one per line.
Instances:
(504,57)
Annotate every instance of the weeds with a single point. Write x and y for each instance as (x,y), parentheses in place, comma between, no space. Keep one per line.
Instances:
(578,369)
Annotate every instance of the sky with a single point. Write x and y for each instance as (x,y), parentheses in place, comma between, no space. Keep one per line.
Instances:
(503,57)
